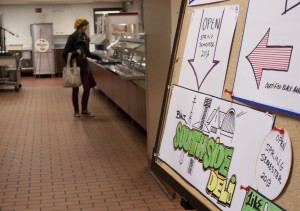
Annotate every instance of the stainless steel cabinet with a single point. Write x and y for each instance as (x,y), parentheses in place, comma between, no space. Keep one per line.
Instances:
(137,104)
(103,78)
(120,92)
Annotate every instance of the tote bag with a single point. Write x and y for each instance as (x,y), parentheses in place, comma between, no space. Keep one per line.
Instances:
(71,75)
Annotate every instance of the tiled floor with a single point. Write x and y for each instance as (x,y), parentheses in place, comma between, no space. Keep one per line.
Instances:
(50,160)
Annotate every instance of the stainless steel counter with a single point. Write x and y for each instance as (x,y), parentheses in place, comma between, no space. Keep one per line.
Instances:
(124,72)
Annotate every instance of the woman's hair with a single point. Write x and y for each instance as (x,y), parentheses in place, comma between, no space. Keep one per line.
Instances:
(82,34)
(84,23)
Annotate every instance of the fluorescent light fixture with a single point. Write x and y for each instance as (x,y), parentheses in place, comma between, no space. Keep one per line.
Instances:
(105,12)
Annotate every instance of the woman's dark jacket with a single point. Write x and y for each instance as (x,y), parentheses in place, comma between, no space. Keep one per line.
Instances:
(76,41)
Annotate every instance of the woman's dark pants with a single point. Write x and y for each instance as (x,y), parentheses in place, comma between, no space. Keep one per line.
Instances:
(85,96)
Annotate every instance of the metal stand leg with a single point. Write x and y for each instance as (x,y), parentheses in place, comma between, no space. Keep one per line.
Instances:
(185,204)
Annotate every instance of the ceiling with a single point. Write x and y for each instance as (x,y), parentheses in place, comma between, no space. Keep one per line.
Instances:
(13,2)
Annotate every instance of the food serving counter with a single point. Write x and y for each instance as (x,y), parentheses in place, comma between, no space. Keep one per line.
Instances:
(124,86)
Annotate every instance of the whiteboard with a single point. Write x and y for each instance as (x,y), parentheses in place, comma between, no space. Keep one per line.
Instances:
(268,68)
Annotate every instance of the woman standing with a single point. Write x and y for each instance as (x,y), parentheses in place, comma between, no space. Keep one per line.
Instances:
(78,45)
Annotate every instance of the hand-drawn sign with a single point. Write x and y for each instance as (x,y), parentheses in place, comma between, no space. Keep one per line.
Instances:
(214,152)
(274,164)
(264,57)
(254,201)
(278,88)
(204,57)
(42,45)
(207,49)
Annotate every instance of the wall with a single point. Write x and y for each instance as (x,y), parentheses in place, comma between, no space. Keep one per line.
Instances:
(160,31)
(18,18)
(135,6)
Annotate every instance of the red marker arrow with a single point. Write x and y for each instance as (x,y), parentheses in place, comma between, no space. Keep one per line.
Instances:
(264,57)
(203,65)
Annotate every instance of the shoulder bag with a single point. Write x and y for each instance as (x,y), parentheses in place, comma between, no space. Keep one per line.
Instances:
(71,75)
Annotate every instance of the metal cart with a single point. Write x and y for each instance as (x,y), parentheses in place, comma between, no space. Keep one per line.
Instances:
(10,74)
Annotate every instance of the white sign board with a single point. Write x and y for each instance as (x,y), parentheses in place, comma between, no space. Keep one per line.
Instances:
(42,45)
(274,164)
(207,49)
(268,71)
(213,144)
(199,2)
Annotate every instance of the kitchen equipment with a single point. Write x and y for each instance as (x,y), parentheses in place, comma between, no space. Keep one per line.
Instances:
(11,74)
